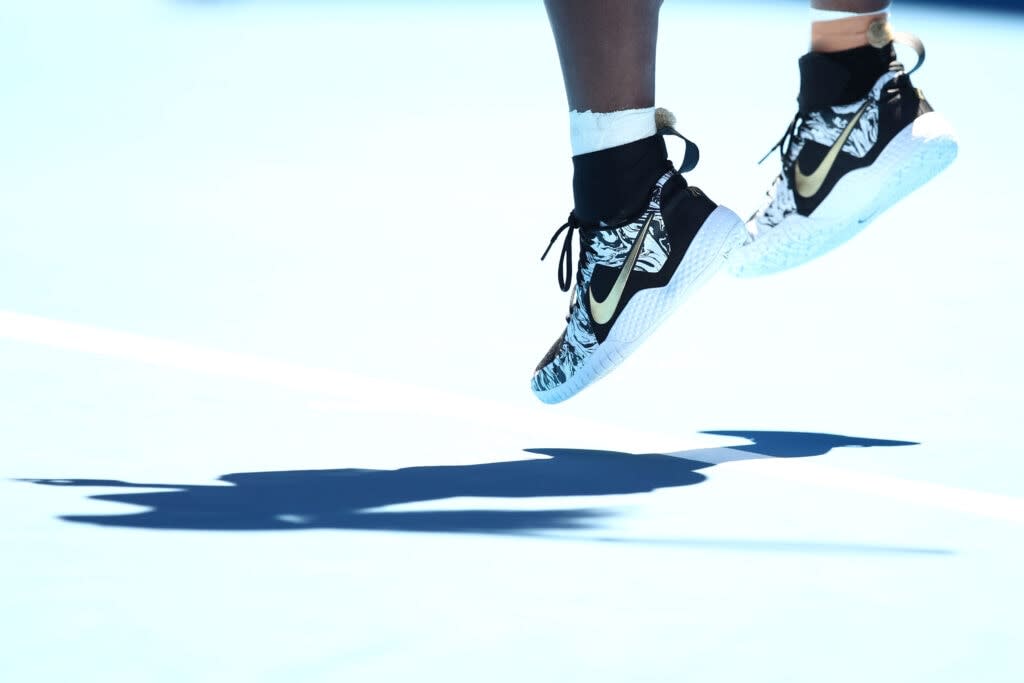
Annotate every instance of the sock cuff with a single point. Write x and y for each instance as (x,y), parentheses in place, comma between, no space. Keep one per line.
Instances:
(835,15)
(613,185)
(591,131)
(828,79)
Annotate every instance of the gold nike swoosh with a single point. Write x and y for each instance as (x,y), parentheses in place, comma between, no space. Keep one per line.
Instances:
(808,185)
(602,311)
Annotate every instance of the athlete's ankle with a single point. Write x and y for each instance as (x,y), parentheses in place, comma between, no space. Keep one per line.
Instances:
(592,131)
(613,185)
(836,30)
(835,78)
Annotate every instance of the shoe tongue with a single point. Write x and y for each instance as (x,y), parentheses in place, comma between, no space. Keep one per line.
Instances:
(828,79)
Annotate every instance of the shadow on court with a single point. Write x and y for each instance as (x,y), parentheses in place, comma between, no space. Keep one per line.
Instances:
(352,498)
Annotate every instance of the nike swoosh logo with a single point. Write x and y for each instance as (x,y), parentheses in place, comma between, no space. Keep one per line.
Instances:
(603,311)
(808,185)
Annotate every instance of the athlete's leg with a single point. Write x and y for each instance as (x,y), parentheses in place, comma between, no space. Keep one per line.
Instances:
(646,239)
(607,52)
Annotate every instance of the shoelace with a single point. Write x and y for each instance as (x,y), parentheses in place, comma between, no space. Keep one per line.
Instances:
(786,140)
(565,259)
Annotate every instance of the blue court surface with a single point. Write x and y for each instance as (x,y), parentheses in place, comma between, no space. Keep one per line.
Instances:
(270,300)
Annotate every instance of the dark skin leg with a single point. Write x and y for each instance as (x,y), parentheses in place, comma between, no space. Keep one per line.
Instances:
(607,51)
(607,48)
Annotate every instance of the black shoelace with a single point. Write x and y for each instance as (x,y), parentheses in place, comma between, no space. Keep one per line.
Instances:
(565,259)
(785,141)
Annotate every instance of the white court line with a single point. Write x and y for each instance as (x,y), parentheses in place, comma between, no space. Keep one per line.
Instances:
(365,392)
(541,421)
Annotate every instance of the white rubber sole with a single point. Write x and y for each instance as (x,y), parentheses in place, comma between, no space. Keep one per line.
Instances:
(916,155)
(722,232)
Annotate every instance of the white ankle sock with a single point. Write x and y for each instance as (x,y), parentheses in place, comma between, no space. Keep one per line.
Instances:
(593,131)
(835,15)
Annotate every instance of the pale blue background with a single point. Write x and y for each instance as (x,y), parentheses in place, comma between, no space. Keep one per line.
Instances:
(335,211)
